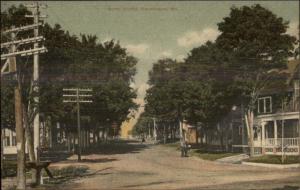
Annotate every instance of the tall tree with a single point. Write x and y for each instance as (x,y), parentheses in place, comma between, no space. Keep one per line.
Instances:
(256,40)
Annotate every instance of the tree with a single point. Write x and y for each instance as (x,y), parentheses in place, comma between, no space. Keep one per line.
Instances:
(255,41)
(194,90)
(69,62)
(142,127)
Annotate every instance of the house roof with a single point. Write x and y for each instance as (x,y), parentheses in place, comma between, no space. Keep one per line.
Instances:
(292,72)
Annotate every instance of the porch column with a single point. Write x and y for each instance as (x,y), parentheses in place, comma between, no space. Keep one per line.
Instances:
(275,136)
(263,142)
(10,138)
(275,131)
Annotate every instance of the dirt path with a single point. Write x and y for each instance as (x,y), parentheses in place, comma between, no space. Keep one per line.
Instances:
(160,167)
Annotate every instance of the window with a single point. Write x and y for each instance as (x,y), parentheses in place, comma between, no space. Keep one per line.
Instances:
(265,105)
(6,141)
(14,141)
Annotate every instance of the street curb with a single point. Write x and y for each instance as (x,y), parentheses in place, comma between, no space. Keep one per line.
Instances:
(278,166)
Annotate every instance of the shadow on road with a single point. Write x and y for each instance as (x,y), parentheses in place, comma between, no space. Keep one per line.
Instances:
(116,147)
(147,184)
(104,148)
(100,160)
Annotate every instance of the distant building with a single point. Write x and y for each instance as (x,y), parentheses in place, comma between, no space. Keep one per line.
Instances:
(190,133)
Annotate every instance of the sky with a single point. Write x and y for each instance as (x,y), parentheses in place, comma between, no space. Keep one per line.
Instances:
(153,29)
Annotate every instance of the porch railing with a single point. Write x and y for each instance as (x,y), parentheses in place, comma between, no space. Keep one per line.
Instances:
(285,141)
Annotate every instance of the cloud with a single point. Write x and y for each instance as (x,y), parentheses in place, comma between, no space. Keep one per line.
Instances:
(106,39)
(293,29)
(192,38)
(180,57)
(165,54)
(137,48)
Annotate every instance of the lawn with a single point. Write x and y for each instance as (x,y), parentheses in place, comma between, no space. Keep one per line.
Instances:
(173,145)
(206,155)
(274,159)
(65,174)
(203,154)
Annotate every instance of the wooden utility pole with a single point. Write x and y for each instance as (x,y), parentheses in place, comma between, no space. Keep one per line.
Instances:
(78,95)
(11,66)
(21,177)
(36,122)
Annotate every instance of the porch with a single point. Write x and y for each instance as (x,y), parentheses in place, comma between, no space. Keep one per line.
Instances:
(278,133)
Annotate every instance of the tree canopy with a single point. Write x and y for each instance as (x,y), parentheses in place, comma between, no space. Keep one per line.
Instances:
(74,61)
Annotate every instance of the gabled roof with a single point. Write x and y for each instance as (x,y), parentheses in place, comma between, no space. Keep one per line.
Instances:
(292,72)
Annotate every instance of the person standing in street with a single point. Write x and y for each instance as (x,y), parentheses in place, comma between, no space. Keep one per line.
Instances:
(183,148)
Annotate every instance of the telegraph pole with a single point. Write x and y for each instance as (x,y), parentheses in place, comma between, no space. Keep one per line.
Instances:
(36,122)
(10,68)
(21,177)
(79,95)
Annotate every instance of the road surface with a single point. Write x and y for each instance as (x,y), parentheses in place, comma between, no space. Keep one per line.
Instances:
(161,167)
(131,165)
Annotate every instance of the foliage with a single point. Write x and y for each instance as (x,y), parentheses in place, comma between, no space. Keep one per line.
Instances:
(73,61)
(256,41)
(142,125)
(192,90)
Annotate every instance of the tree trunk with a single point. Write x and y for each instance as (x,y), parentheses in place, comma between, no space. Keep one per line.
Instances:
(69,142)
(88,138)
(165,135)
(105,134)
(50,136)
(28,135)
(249,118)
(83,139)
(98,136)
(94,138)
(30,146)
(2,149)
(73,143)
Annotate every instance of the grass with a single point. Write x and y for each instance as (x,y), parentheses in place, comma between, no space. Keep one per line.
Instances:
(64,174)
(201,153)
(274,159)
(173,145)
(9,168)
(205,155)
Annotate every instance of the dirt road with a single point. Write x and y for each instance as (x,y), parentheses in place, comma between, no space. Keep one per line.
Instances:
(160,167)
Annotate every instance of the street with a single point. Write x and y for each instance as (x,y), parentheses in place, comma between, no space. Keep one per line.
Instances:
(160,167)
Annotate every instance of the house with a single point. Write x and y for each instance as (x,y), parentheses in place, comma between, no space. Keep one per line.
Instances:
(277,123)
(190,133)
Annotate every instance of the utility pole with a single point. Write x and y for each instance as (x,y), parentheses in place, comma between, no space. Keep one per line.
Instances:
(79,95)
(36,122)
(10,68)
(21,177)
